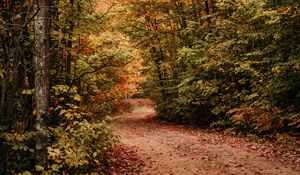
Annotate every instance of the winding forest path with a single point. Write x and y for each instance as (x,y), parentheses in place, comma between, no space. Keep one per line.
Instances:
(175,150)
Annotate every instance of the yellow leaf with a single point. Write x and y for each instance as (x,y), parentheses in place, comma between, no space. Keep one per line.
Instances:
(62,112)
(27,92)
(95,154)
(77,97)
(15,147)
(39,168)
(275,69)
(69,115)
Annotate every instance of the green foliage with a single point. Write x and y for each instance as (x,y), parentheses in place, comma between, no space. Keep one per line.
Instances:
(83,66)
(20,150)
(242,58)
(78,146)
(78,142)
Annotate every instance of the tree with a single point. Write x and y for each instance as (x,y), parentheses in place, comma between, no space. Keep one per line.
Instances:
(42,79)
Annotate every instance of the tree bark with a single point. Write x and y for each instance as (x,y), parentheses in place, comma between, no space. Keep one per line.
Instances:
(42,83)
(195,10)
(207,9)
(69,44)
(157,60)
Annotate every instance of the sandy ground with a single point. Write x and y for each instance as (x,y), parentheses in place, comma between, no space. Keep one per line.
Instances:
(169,150)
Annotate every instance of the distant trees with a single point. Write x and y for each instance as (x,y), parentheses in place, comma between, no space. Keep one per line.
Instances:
(222,63)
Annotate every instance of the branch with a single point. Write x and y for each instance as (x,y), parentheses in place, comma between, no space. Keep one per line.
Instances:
(90,72)
(28,22)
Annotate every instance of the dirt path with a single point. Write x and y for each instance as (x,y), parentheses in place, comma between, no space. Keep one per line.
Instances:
(168,150)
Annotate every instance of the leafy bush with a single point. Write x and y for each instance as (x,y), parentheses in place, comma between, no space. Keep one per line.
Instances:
(78,147)
(77,144)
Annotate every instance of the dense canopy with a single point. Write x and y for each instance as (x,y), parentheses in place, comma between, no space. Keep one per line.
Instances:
(65,67)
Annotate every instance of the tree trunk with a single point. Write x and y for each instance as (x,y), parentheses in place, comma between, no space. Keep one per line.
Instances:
(195,10)
(207,9)
(69,44)
(211,6)
(157,59)
(42,66)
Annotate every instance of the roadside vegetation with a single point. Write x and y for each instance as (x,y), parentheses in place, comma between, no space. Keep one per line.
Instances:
(231,65)
(67,66)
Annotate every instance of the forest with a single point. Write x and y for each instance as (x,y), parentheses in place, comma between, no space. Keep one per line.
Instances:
(68,68)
